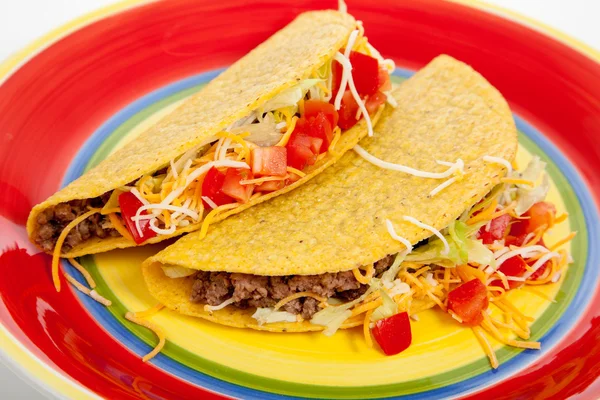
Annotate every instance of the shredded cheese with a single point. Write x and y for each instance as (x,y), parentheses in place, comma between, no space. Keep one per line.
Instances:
(88,278)
(60,242)
(118,225)
(286,136)
(210,203)
(298,295)
(366,278)
(517,181)
(295,171)
(211,215)
(442,186)
(92,293)
(500,160)
(221,306)
(258,181)
(395,236)
(367,329)
(155,329)
(347,71)
(567,239)
(457,166)
(430,229)
(487,347)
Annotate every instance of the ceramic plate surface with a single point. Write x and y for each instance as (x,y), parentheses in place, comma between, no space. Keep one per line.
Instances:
(72,98)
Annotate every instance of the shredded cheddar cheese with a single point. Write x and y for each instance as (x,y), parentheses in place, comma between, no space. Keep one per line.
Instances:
(92,293)
(88,278)
(61,240)
(118,225)
(295,296)
(366,278)
(367,329)
(155,329)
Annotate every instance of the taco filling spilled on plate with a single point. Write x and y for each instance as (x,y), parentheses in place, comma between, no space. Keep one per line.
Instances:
(294,131)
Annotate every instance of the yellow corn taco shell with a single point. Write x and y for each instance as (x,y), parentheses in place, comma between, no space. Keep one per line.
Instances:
(335,222)
(289,56)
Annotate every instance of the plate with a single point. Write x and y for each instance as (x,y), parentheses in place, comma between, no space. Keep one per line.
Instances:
(77,95)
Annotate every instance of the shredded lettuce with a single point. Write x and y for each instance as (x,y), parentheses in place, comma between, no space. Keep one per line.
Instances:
(333,317)
(290,96)
(463,249)
(390,275)
(457,231)
(263,133)
(176,271)
(386,309)
(526,195)
(269,316)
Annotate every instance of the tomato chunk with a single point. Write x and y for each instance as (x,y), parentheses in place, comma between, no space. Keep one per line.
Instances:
(468,301)
(269,161)
(373,102)
(348,111)
(302,150)
(365,74)
(515,267)
(319,127)
(232,186)
(314,107)
(129,205)
(212,187)
(497,230)
(539,214)
(393,334)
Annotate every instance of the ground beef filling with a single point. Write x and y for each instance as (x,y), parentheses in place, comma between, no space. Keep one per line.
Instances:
(213,288)
(53,220)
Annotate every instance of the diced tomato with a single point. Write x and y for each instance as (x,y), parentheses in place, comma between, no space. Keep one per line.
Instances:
(232,186)
(336,79)
(269,161)
(497,231)
(373,102)
(468,301)
(385,82)
(314,107)
(393,334)
(269,186)
(319,127)
(212,187)
(515,267)
(539,214)
(129,205)
(302,150)
(365,73)
(348,111)
(540,271)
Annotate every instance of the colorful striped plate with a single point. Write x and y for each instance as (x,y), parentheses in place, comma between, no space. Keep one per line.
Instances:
(78,94)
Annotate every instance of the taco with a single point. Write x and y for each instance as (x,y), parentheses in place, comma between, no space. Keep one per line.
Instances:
(269,123)
(320,238)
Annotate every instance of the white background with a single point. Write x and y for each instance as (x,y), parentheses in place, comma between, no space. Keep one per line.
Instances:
(22,21)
